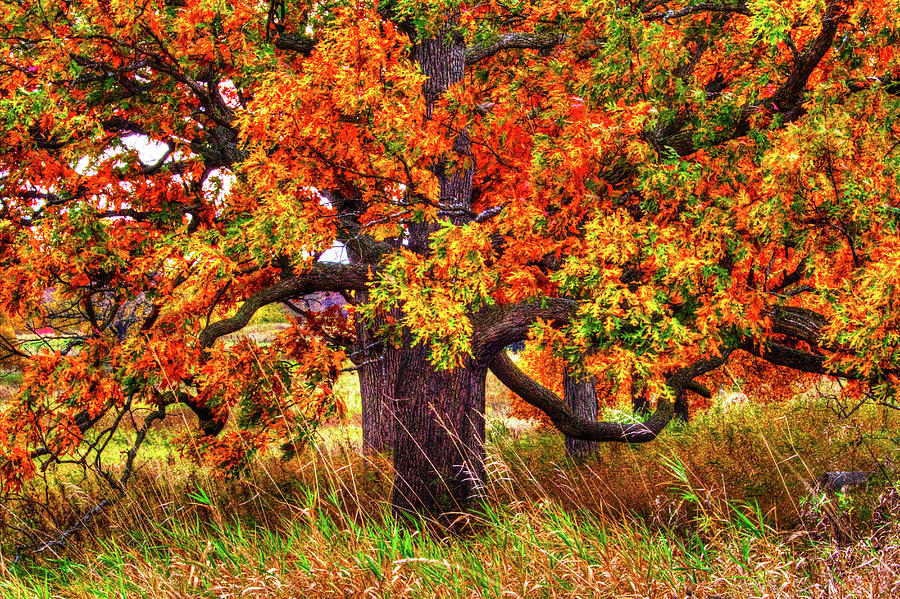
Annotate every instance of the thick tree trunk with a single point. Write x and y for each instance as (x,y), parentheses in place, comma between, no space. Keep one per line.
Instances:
(439,432)
(581,396)
(377,391)
(378,368)
(439,436)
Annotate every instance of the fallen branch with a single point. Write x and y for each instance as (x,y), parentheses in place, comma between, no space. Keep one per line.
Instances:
(61,539)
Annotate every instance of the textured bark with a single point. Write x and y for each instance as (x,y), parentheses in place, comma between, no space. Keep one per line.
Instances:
(378,368)
(377,390)
(580,391)
(442,59)
(439,432)
(682,408)
(498,327)
(509,41)
(321,276)
(439,436)
(566,421)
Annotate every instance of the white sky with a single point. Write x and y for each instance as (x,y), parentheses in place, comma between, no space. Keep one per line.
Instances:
(150,151)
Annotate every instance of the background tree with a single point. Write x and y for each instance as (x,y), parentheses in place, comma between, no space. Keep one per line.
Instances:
(657,188)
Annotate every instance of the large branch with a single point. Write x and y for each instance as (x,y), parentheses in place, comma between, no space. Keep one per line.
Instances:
(789,96)
(322,276)
(667,14)
(545,41)
(783,355)
(802,324)
(497,328)
(578,428)
(509,41)
(798,323)
(296,42)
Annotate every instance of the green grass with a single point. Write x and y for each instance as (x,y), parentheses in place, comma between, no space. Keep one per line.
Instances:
(316,544)
(722,507)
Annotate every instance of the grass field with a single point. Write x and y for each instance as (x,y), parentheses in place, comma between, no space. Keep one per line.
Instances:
(722,507)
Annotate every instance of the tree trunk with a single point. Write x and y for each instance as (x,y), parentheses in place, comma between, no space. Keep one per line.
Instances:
(439,436)
(377,392)
(378,368)
(439,431)
(640,405)
(580,392)
(682,408)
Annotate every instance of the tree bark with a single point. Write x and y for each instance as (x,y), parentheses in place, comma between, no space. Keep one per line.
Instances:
(439,431)
(378,368)
(562,417)
(682,408)
(640,405)
(580,391)
(377,395)
(439,435)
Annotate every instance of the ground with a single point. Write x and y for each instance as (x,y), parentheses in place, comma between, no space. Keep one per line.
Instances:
(722,507)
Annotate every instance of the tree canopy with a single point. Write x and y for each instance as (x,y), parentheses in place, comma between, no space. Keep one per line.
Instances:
(647,188)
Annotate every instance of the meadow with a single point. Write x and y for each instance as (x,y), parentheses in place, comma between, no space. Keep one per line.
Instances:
(725,506)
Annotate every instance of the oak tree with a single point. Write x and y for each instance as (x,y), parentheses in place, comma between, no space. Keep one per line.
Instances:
(649,188)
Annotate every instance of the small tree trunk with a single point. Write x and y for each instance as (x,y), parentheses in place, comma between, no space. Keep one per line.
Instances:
(640,405)
(439,436)
(581,395)
(682,407)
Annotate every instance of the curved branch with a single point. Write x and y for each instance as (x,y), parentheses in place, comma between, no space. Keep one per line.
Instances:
(667,15)
(322,276)
(498,327)
(578,428)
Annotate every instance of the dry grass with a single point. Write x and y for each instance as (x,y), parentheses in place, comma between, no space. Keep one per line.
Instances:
(720,508)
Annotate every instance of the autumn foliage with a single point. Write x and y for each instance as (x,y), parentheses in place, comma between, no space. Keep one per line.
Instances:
(651,189)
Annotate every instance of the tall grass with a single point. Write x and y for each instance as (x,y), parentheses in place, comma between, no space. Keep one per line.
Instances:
(723,507)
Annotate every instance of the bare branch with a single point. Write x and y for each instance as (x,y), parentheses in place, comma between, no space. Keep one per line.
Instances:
(61,539)
(152,417)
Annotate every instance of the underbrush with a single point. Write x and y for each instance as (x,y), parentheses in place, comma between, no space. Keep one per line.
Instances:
(726,506)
